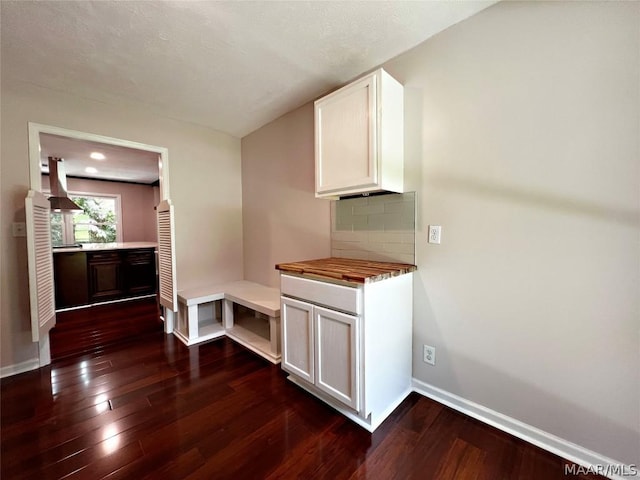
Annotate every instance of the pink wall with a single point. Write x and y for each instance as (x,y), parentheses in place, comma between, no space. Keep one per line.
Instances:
(137,203)
(281,218)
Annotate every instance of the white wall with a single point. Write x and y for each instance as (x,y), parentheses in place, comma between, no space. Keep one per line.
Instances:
(528,157)
(282,219)
(522,130)
(204,180)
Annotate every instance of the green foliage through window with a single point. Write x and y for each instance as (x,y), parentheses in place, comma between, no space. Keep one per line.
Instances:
(57,228)
(95,224)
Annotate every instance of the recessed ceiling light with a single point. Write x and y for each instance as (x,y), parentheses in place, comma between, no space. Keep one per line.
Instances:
(91,170)
(97,156)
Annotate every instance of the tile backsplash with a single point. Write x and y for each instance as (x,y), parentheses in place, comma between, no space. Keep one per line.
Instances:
(380,228)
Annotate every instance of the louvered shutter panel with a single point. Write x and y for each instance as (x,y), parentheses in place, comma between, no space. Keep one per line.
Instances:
(167,256)
(39,256)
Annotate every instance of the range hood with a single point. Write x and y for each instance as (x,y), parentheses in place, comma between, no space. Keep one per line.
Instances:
(59,199)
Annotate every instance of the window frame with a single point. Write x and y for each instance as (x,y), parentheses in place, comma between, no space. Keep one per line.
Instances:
(68,232)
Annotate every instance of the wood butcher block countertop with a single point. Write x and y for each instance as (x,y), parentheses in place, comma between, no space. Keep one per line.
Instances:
(346,269)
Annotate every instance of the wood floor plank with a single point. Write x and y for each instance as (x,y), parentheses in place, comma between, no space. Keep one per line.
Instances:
(152,408)
(463,460)
(179,468)
(392,459)
(94,328)
(60,442)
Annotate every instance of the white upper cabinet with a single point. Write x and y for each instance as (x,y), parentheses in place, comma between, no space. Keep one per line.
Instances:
(359,137)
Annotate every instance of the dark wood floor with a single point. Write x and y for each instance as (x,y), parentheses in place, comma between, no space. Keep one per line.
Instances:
(92,329)
(154,408)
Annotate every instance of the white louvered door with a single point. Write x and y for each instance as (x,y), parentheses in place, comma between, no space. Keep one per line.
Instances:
(40,259)
(167,257)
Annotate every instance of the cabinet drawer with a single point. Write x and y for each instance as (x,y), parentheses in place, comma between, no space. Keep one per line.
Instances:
(112,256)
(139,256)
(339,297)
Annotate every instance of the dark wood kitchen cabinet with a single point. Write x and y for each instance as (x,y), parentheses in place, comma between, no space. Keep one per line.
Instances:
(83,278)
(106,280)
(70,278)
(139,271)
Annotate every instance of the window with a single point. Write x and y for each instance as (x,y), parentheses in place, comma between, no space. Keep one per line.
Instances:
(97,223)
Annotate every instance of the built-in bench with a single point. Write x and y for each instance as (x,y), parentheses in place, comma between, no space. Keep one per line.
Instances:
(246,312)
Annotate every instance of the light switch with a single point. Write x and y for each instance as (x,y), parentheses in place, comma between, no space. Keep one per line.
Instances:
(19,229)
(434,233)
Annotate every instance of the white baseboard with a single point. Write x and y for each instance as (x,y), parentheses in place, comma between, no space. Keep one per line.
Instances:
(21,367)
(379,419)
(528,433)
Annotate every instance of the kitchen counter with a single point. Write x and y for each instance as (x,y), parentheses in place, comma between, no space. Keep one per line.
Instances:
(92,247)
(346,269)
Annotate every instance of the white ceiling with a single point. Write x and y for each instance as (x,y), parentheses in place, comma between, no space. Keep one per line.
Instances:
(229,65)
(119,164)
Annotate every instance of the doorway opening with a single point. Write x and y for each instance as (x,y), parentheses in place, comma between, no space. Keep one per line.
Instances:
(109,244)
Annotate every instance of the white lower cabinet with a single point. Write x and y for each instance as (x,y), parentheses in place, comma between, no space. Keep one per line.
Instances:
(358,360)
(321,347)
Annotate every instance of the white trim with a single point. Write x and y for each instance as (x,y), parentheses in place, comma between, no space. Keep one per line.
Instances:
(21,367)
(540,438)
(382,416)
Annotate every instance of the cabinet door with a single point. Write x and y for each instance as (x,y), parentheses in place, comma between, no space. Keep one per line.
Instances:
(296,319)
(345,139)
(140,272)
(337,355)
(105,276)
(70,273)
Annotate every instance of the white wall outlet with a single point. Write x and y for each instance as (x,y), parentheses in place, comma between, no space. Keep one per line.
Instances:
(429,355)
(19,229)
(434,233)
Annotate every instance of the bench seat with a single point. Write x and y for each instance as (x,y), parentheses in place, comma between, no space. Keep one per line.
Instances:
(260,333)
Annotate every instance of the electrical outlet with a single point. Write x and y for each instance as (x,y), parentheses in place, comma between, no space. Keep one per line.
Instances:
(434,233)
(429,355)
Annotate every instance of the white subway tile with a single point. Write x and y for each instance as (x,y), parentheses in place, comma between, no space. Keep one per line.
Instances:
(349,245)
(368,209)
(356,201)
(343,236)
(389,198)
(409,238)
(355,254)
(398,207)
(387,237)
(382,257)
